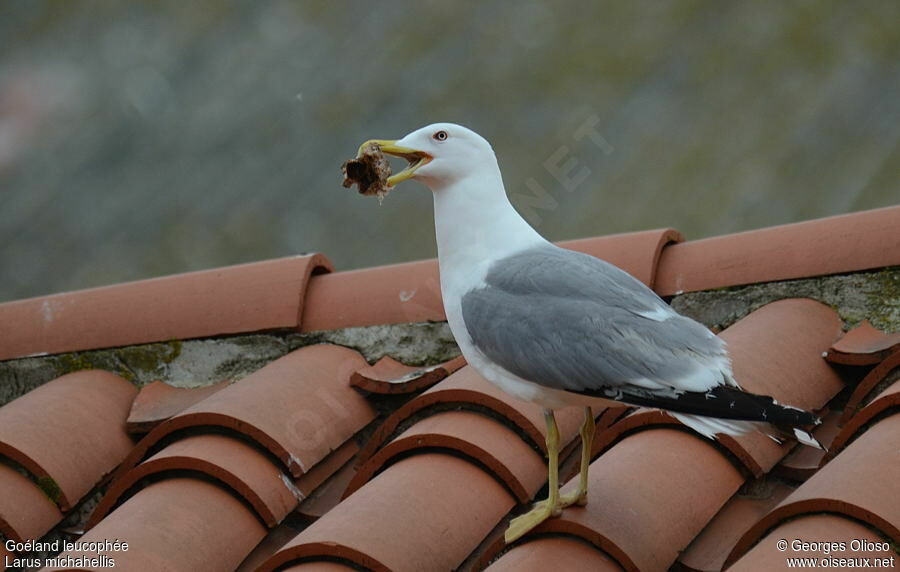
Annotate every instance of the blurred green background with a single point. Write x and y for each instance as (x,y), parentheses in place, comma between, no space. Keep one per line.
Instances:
(144,138)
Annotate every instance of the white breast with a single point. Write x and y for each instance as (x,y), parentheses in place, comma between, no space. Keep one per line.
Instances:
(476,225)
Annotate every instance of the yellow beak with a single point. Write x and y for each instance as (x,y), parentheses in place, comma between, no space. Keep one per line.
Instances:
(415,158)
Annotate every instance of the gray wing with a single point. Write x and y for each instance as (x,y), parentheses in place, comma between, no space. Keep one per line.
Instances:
(570,321)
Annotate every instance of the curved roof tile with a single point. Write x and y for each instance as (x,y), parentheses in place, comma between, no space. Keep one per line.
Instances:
(650,495)
(467,388)
(802,462)
(863,345)
(411,292)
(833,245)
(887,403)
(319,567)
(708,551)
(860,483)
(70,432)
(554,553)
(299,407)
(158,401)
(864,389)
(26,513)
(637,253)
(329,494)
(655,491)
(245,470)
(389,376)
(177,524)
(420,502)
(243,298)
(6,555)
(326,468)
(486,441)
(819,528)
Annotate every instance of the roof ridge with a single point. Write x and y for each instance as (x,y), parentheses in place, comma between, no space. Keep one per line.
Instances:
(302,293)
(244,298)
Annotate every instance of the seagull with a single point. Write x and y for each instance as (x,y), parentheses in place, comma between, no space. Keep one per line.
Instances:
(560,328)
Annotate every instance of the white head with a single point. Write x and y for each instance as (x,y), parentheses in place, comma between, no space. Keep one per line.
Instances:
(474,220)
(441,154)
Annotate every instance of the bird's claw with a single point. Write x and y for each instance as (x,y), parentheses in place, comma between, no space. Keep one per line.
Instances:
(521,525)
(576,498)
(540,512)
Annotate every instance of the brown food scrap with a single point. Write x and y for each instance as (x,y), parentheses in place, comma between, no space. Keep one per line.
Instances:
(369,170)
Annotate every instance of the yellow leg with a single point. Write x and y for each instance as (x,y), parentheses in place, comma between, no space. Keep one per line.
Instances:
(579,496)
(550,507)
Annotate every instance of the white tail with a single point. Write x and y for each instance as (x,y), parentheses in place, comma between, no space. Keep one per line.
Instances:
(710,427)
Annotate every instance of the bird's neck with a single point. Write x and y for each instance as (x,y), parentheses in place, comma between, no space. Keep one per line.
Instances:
(476,224)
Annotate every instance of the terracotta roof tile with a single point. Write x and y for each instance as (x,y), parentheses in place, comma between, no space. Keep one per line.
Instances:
(244,298)
(802,462)
(242,468)
(885,404)
(845,243)
(6,556)
(650,495)
(708,551)
(326,468)
(26,513)
(269,545)
(554,553)
(433,484)
(300,407)
(635,252)
(472,435)
(411,292)
(398,293)
(466,388)
(196,526)
(864,345)
(70,432)
(865,389)
(417,502)
(859,483)
(388,376)
(318,567)
(611,415)
(159,401)
(822,528)
(328,494)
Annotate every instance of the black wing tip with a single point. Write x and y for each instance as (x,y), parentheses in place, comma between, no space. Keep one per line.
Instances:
(794,417)
(723,402)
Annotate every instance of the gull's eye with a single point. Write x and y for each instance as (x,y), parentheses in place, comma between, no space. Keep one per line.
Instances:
(440,136)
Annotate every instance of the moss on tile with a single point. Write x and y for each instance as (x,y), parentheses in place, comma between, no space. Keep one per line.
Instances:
(147,362)
(50,488)
(138,364)
(874,296)
(76,361)
(196,363)
(884,299)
